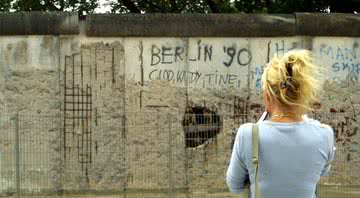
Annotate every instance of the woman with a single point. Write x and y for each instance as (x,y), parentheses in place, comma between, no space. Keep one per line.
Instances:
(294,151)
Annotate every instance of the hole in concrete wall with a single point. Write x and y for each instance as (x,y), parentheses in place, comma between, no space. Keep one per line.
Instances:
(200,125)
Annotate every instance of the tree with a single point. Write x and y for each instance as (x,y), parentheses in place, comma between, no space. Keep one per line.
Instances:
(291,6)
(81,6)
(235,6)
(172,6)
(5,5)
(185,6)
(345,5)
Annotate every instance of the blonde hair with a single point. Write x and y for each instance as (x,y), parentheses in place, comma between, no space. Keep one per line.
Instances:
(292,80)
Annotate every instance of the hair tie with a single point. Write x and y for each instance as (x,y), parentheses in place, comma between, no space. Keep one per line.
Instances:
(286,83)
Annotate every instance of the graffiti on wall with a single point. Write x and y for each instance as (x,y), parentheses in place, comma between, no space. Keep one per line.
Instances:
(343,61)
(202,64)
(345,126)
(343,120)
(279,48)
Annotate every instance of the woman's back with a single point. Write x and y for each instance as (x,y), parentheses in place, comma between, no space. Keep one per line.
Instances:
(293,150)
(292,156)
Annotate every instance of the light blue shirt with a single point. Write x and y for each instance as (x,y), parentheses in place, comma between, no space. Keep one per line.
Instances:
(292,157)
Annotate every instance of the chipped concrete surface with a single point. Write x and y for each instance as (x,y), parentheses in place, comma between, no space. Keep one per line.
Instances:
(106,113)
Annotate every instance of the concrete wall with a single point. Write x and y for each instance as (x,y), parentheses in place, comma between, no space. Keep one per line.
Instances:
(101,103)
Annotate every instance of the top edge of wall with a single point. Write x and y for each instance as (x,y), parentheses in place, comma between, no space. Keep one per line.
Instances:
(190,25)
(223,25)
(327,24)
(181,25)
(39,23)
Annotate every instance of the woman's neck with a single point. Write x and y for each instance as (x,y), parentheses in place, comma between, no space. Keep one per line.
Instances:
(286,116)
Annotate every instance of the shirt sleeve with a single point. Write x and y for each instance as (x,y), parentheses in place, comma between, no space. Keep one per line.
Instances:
(331,154)
(237,173)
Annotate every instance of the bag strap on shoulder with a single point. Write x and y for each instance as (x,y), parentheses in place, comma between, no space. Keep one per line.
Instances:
(255,148)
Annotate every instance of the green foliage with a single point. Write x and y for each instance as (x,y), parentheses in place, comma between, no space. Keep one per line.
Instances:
(251,6)
(185,6)
(160,6)
(5,5)
(81,6)
(33,5)
(235,6)
(291,6)
(226,6)
(345,5)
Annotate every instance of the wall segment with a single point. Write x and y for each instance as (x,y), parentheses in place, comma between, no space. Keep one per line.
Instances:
(118,95)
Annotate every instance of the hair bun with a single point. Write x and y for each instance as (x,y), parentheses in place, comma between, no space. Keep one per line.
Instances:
(289,69)
(292,79)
